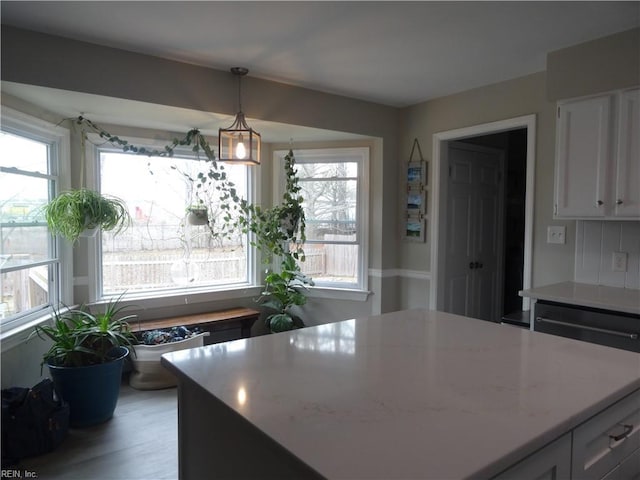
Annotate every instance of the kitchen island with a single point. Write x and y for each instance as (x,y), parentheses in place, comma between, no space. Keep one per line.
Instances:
(413,395)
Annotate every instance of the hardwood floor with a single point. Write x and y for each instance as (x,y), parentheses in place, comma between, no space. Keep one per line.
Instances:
(140,442)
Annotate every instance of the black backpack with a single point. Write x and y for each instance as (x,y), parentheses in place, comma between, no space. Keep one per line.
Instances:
(34,421)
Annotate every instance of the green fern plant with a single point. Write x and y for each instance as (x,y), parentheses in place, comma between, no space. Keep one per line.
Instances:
(82,338)
(72,212)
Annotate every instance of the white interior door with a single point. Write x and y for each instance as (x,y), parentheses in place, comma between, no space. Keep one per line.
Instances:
(459,233)
(474,257)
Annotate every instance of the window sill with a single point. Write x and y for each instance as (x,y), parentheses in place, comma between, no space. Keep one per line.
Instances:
(145,301)
(338,294)
(13,337)
(17,335)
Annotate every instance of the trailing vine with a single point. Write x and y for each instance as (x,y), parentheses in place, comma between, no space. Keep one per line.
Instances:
(277,231)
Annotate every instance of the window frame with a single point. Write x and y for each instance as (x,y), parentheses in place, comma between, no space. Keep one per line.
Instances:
(359,290)
(58,138)
(165,297)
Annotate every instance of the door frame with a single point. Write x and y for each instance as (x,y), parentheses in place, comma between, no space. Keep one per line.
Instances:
(438,197)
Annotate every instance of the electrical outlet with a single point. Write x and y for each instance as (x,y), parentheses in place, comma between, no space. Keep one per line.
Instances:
(556,234)
(619,262)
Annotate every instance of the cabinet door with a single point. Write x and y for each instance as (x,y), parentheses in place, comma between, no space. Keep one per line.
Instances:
(583,155)
(629,468)
(604,441)
(627,193)
(553,462)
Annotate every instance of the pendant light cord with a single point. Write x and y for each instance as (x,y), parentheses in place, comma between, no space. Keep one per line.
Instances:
(240,93)
(83,154)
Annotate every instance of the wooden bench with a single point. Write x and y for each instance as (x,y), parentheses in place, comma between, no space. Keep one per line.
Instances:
(234,318)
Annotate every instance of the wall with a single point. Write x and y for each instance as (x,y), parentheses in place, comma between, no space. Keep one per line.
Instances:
(608,63)
(84,67)
(513,98)
(49,61)
(603,64)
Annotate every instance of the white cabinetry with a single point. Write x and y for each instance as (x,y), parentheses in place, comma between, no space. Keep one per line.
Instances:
(598,157)
(627,180)
(607,447)
(607,441)
(629,469)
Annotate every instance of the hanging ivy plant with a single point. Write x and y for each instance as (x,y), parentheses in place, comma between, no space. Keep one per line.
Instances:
(277,230)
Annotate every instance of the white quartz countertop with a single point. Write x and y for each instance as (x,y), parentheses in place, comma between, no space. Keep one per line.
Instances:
(586,295)
(413,394)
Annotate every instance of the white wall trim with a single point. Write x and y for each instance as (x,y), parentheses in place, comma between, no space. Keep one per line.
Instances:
(399,272)
(338,294)
(526,121)
(360,154)
(19,335)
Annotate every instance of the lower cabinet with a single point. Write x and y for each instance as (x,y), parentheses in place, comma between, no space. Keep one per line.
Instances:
(629,469)
(606,440)
(607,446)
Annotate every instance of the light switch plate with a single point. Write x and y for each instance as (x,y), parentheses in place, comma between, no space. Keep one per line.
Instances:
(556,234)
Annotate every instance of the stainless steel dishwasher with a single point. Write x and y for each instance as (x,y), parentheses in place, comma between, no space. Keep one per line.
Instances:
(613,329)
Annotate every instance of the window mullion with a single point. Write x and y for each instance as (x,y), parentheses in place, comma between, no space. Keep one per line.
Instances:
(27,173)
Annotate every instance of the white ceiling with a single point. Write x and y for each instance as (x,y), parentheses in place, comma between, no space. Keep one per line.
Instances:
(394,53)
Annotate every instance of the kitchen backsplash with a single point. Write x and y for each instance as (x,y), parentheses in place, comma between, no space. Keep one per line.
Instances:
(596,243)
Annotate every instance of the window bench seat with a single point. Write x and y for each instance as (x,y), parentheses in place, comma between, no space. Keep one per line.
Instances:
(222,325)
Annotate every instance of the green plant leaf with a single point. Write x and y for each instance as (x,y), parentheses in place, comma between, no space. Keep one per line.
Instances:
(280,322)
(72,212)
(80,337)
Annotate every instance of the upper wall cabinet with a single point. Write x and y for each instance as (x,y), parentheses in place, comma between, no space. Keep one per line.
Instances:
(627,180)
(598,157)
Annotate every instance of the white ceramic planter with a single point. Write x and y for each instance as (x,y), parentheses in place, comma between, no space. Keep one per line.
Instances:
(148,373)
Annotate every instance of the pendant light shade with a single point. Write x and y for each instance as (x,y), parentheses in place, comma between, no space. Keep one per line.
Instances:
(239,143)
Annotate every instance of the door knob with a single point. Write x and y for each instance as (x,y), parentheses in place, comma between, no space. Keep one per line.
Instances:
(599,203)
(619,202)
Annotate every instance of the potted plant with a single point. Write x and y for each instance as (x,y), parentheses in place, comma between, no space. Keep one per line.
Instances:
(75,211)
(197,214)
(282,292)
(85,360)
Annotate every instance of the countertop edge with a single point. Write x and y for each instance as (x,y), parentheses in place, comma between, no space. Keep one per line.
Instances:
(574,293)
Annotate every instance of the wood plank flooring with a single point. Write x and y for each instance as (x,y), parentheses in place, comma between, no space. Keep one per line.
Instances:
(140,442)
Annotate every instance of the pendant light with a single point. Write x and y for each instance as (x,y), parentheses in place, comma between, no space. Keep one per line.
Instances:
(239,143)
